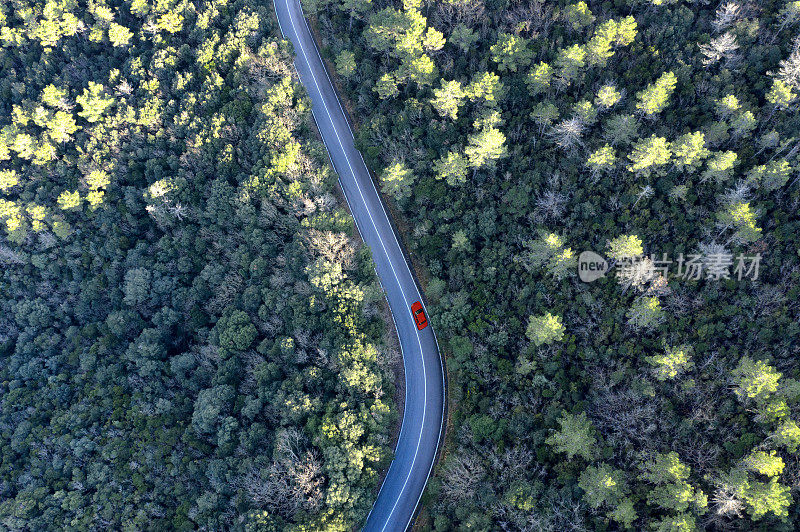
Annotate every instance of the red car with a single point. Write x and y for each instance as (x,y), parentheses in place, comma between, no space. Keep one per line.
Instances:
(419,315)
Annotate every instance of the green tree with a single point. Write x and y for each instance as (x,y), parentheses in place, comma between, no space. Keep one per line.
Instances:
(545,329)
(61,127)
(655,97)
(763,463)
(397,180)
(771,176)
(625,31)
(211,405)
(720,166)
(452,168)
(448,98)
(600,47)
(739,216)
(119,35)
(787,435)
(386,87)
(236,331)
(485,147)
(604,486)
(421,70)
(575,437)
(760,498)
(755,379)
(663,468)
(69,200)
(540,77)
(511,52)
(672,491)
(743,124)
(463,37)
(346,63)
(649,155)
(570,62)
(690,151)
(781,95)
(8,180)
(620,129)
(137,286)
(673,362)
(608,96)
(602,159)
(549,251)
(396,33)
(625,246)
(93,102)
(578,15)
(544,114)
(355,8)
(645,313)
(768,497)
(486,87)
(727,106)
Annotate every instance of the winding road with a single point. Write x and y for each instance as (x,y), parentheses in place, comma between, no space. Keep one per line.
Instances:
(423,416)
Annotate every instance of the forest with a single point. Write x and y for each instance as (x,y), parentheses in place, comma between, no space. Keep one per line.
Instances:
(191,334)
(510,136)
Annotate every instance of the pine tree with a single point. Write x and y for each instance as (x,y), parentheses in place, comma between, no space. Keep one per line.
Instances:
(397,180)
(602,159)
(346,63)
(511,52)
(625,246)
(655,97)
(645,313)
(575,437)
(485,147)
(452,168)
(649,155)
(540,77)
(755,379)
(608,96)
(673,362)
(690,151)
(447,99)
(545,329)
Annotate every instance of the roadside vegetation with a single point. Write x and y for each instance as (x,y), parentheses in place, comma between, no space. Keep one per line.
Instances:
(515,135)
(190,336)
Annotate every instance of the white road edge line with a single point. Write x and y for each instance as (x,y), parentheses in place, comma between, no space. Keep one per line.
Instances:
(435,339)
(389,259)
(419,296)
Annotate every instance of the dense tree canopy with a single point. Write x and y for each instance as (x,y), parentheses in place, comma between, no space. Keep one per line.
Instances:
(190,336)
(662,135)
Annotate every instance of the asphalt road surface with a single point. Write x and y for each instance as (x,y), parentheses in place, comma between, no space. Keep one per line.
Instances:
(423,417)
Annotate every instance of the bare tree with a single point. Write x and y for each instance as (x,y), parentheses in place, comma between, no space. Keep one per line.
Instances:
(722,47)
(294,480)
(551,204)
(461,477)
(334,247)
(727,15)
(567,133)
(627,416)
(789,71)
(726,502)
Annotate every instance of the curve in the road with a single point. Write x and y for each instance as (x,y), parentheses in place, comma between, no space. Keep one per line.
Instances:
(423,416)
